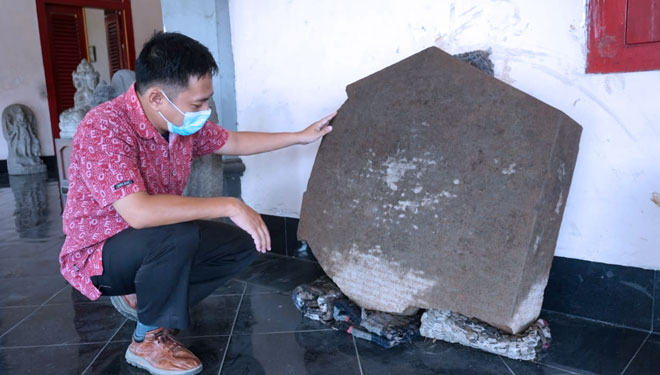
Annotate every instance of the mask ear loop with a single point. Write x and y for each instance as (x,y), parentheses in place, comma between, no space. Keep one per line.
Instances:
(169,101)
(163,117)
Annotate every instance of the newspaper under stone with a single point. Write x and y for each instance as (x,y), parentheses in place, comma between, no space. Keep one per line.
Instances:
(323,301)
(455,328)
(316,299)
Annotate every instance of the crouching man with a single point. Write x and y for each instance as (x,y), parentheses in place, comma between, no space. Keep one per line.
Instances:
(129,232)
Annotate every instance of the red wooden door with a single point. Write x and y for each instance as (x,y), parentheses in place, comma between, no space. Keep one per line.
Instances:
(115,36)
(643,21)
(66,47)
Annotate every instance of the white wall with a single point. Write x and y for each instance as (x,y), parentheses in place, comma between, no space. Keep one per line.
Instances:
(22,77)
(95,26)
(293,60)
(147,18)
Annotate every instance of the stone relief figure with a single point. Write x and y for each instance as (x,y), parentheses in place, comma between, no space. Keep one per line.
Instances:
(85,79)
(19,129)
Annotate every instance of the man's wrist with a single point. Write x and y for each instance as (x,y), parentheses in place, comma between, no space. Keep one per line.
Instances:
(231,206)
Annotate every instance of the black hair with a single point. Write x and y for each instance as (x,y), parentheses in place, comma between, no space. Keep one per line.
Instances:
(171,59)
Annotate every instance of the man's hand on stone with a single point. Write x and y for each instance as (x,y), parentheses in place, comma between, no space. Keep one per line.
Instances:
(317,130)
(250,221)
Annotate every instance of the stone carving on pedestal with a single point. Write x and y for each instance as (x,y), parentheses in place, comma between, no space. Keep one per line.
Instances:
(102,93)
(85,79)
(19,129)
(122,80)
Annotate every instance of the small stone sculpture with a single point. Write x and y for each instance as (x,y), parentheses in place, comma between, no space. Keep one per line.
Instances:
(19,129)
(102,93)
(122,80)
(85,79)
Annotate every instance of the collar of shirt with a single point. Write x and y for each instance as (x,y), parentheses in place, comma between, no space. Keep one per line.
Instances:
(136,116)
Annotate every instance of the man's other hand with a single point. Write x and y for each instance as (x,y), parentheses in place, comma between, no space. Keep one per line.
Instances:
(250,221)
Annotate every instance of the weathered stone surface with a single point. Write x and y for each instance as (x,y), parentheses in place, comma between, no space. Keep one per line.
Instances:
(205,178)
(102,93)
(122,80)
(441,187)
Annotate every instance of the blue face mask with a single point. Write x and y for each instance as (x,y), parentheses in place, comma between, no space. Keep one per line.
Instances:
(192,121)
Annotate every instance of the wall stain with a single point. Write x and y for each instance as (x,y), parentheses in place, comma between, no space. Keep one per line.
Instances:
(655,198)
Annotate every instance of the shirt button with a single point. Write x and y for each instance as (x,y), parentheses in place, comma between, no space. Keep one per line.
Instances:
(173,173)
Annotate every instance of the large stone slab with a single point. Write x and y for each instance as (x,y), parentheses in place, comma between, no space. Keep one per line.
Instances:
(441,187)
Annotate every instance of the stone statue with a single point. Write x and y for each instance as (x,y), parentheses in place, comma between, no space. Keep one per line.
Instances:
(19,129)
(85,79)
(122,80)
(102,93)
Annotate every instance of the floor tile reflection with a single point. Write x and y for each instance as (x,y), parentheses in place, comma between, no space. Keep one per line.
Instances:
(32,212)
(647,361)
(318,353)
(10,316)
(51,360)
(425,357)
(272,312)
(282,274)
(24,291)
(66,324)
(616,294)
(231,287)
(29,267)
(533,368)
(584,346)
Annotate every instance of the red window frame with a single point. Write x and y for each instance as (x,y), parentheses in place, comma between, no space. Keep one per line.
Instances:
(610,46)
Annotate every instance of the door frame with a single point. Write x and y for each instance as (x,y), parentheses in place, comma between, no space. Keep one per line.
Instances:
(121,5)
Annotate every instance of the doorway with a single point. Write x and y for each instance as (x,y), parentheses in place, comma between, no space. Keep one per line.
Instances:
(100,31)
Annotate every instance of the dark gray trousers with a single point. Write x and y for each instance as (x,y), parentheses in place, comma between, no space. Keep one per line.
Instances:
(173,267)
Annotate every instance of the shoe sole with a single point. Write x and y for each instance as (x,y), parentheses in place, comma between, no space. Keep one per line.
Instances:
(123,308)
(139,362)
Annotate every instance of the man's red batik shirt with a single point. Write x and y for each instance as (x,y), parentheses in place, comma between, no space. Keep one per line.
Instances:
(117,152)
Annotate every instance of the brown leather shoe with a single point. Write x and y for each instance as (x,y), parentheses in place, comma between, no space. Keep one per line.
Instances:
(161,354)
(126,305)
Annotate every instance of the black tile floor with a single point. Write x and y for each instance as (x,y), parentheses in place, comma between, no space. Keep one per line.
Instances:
(248,326)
